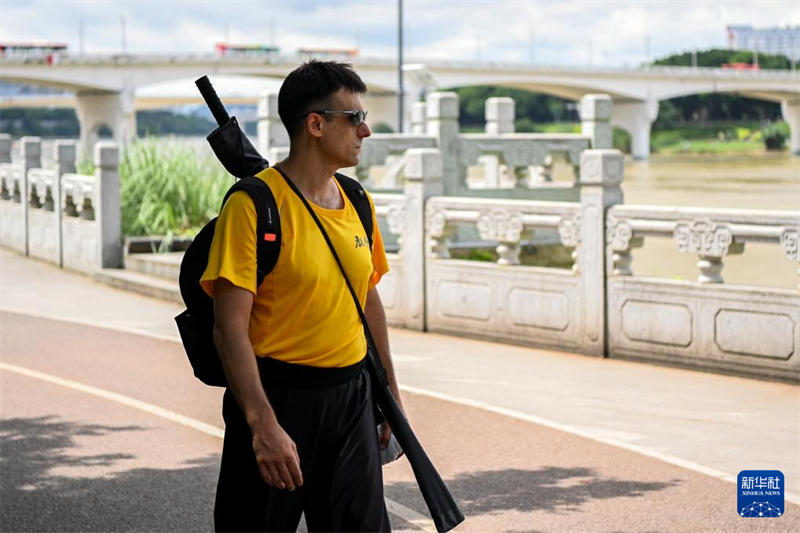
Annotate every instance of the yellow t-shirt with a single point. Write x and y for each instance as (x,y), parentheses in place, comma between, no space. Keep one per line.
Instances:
(302,312)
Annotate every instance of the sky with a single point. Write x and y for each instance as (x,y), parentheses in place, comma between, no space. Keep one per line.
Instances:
(566,32)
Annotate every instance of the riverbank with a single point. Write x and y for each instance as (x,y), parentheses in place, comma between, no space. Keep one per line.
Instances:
(727,138)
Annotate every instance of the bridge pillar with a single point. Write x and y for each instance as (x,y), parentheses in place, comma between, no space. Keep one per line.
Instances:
(96,109)
(636,118)
(791,114)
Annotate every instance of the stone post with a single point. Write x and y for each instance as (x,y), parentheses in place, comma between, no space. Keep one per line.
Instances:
(499,115)
(423,179)
(31,154)
(271,132)
(418,118)
(5,148)
(64,156)
(107,205)
(595,112)
(600,178)
(499,119)
(442,114)
(5,157)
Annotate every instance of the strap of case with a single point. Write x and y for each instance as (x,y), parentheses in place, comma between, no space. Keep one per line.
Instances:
(358,197)
(371,349)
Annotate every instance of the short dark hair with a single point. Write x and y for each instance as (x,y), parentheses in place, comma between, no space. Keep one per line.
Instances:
(310,86)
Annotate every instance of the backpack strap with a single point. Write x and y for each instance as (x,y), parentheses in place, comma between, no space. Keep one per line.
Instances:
(268,224)
(358,197)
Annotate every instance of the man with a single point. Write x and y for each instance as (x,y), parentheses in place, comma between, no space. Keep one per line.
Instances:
(300,434)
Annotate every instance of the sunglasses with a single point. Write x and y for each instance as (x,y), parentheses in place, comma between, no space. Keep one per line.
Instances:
(358,116)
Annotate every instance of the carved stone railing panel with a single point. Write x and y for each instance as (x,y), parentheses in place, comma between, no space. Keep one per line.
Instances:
(376,149)
(503,221)
(748,330)
(521,149)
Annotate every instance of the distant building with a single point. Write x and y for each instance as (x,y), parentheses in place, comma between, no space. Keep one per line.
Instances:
(783,41)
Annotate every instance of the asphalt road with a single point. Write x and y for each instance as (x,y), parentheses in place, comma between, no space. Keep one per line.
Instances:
(79,451)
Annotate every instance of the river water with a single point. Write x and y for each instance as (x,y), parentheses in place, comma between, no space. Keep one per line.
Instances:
(764,181)
(770,182)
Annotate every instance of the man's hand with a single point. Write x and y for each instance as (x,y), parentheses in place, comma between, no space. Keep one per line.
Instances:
(386,432)
(276,453)
(277,458)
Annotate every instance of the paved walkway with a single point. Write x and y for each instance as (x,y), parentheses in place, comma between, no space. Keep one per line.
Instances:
(575,434)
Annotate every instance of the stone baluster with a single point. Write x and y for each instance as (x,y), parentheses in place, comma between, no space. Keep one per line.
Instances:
(442,112)
(107,205)
(5,157)
(595,112)
(620,239)
(31,154)
(418,126)
(601,174)
(423,172)
(439,233)
(711,241)
(504,226)
(271,132)
(790,242)
(65,153)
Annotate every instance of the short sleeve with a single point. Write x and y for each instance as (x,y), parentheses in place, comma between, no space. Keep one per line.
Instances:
(233,249)
(380,263)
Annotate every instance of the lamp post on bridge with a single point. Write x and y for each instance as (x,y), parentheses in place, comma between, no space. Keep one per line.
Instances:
(400,92)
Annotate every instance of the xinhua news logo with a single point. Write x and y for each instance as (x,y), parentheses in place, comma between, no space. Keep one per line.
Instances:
(761,493)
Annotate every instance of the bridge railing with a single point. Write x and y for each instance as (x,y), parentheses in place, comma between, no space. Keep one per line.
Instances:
(68,219)
(705,323)
(508,164)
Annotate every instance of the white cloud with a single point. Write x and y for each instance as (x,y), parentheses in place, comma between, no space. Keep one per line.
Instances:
(498,30)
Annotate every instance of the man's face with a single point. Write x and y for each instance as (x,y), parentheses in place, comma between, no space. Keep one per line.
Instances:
(342,138)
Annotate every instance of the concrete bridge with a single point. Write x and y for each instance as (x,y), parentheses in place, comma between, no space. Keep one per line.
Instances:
(105,86)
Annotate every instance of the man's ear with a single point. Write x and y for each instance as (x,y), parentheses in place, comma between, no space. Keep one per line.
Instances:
(315,125)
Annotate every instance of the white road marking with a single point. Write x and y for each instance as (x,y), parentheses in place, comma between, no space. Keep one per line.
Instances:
(667,458)
(677,461)
(409,515)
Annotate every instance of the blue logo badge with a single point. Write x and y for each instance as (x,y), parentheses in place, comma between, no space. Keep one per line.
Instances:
(760,493)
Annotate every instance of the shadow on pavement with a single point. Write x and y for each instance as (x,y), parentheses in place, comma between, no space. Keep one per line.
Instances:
(141,499)
(552,489)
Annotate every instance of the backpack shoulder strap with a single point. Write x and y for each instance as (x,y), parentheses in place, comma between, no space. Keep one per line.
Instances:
(268,224)
(358,197)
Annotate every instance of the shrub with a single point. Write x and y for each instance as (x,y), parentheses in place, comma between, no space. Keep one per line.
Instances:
(774,138)
(382,127)
(168,189)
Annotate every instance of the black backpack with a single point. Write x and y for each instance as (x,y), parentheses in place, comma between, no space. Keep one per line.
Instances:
(196,324)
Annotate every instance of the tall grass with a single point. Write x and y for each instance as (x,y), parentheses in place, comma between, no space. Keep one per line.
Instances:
(168,189)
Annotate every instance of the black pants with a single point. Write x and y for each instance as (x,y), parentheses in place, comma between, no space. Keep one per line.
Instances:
(333,428)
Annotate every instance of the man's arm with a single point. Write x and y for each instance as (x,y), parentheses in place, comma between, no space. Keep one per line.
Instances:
(376,319)
(275,451)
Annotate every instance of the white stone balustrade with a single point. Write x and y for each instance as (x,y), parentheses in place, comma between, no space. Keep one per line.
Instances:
(704,323)
(59,216)
(14,210)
